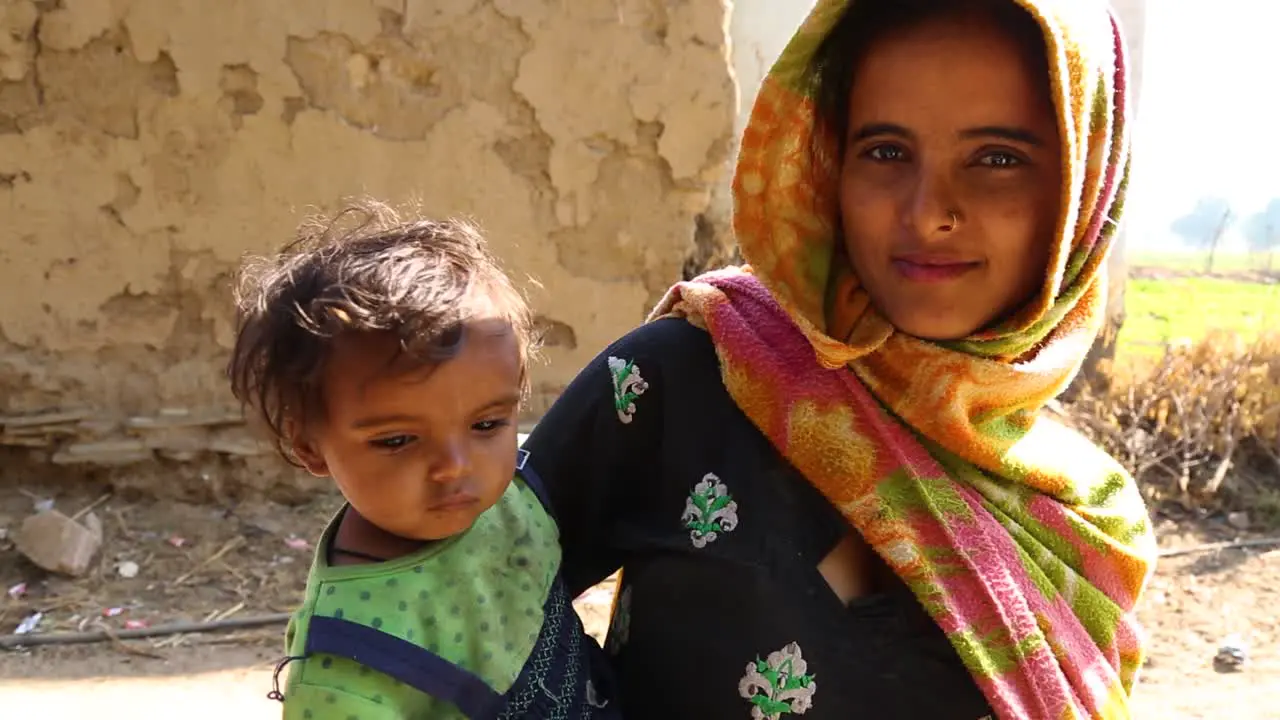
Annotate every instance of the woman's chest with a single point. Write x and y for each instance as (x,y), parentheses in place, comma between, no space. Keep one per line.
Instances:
(695,637)
(724,612)
(701,637)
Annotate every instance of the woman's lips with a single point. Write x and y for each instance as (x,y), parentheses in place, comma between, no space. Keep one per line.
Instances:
(933,269)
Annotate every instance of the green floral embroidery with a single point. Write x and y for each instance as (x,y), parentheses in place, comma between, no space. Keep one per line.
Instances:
(709,511)
(627,386)
(620,626)
(778,685)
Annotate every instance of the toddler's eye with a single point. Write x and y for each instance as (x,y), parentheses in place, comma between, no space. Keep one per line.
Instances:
(488,426)
(393,442)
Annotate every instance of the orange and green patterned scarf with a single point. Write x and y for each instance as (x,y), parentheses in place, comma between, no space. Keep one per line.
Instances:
(1028,545)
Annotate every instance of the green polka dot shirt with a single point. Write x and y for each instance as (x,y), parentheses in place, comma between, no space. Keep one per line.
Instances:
(475,599)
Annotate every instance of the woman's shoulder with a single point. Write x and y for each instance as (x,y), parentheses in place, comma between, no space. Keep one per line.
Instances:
(672,346)
(670,336)
(624,390)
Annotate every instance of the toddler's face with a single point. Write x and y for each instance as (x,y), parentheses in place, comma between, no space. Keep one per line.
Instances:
(419,452)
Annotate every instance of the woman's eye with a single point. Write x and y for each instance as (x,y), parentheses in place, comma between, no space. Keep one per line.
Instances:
(394,442)
(885,153)
(1001,160)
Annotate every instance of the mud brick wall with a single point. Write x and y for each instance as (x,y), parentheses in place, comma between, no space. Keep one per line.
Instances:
(146,145)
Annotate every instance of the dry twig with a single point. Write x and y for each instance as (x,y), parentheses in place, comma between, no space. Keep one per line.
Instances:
(231,544)
(87,508)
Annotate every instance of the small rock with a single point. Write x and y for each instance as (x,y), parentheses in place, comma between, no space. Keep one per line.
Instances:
(128,569)
(1232,656)
(59,544)
(1238,520)
(17,591)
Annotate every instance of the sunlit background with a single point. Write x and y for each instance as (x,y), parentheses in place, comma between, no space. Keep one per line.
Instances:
(1208,118)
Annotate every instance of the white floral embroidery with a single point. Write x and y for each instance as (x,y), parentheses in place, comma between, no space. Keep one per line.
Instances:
(620,625)
(627,386)
(710,511)
(778,685)
(593,696)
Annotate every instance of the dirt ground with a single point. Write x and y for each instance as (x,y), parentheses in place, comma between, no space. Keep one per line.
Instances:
(199,563)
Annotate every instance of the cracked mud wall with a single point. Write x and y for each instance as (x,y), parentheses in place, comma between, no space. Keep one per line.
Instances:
(145,145)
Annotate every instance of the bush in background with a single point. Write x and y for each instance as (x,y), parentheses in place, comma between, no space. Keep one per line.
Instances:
(1198,426)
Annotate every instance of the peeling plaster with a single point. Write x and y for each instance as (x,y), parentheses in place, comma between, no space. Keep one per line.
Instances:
(146,145)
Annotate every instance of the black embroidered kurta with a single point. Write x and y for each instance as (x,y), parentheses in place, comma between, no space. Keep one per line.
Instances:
(722,612)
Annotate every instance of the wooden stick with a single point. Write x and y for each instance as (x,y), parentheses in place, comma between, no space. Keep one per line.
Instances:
(85,510)
(8,642)
(1214,547)
(231,639)
(229,611)
(231,545)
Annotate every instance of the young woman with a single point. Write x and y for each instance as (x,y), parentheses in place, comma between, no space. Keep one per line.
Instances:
(825,476)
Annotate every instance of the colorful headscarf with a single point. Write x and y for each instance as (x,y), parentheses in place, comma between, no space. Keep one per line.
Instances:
(1028,545)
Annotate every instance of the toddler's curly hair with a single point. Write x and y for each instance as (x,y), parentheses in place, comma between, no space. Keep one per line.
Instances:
(367,269)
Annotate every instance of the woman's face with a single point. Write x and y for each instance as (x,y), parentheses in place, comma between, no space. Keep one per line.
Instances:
(951,179)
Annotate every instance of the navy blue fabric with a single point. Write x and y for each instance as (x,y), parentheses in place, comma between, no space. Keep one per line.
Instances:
(534,482)
(566,675)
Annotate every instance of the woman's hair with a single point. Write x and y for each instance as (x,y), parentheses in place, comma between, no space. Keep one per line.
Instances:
(364,270)
(834,66)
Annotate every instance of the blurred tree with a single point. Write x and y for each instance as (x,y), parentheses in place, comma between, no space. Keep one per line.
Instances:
(1262,230)
(1204,226)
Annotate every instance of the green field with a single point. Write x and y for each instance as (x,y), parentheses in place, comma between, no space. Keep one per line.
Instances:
(1196,261)
(1159,311)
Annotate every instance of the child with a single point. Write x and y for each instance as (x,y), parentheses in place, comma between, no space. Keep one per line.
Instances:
(391,355)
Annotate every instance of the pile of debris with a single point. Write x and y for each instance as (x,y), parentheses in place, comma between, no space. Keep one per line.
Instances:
(83,579)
